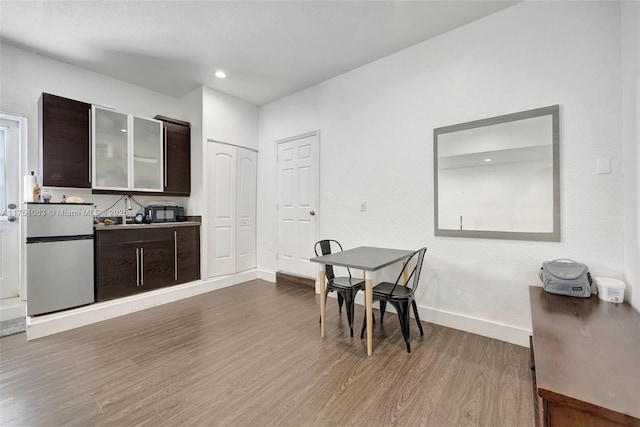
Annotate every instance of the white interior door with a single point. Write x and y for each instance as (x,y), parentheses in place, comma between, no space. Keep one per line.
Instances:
(221,209)
(246,209)
(10,135)
(297,204)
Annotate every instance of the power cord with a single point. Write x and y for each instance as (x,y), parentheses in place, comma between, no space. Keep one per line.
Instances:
(116,202)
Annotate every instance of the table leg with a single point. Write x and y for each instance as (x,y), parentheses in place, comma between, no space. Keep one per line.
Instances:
(321,279)
(368,304)
(405,272)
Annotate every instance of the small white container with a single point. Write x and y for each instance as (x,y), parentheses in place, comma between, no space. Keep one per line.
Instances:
(611,290)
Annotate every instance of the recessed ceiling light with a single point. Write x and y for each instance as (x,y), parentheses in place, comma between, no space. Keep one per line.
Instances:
(220,74)
(488,160)
(123,130)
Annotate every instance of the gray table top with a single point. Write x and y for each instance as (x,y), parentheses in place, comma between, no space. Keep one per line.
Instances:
(364,258)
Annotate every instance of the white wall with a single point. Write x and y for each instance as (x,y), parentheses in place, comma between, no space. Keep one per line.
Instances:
(228,119)
(376,145)
(630,24)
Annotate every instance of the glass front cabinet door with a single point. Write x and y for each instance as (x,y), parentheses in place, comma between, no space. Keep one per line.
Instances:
(127,152)
(110,137)
(147,155)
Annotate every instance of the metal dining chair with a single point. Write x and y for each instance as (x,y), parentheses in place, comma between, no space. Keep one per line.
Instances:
(400,296)
(346,287)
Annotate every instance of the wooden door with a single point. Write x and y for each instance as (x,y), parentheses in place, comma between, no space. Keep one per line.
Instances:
(246,209)
(177,151)
(297,203)
(157,263)
(117,267)
(188,250)
(65,150)
(221,238)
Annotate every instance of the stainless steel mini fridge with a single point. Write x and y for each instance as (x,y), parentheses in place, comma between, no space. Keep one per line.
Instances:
(59,256)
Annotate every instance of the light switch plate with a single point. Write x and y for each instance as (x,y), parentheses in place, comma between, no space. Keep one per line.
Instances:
(363,206)
(603,165)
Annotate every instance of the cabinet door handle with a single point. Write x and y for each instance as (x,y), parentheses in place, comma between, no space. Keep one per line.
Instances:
(165,157)
(141,266)
(175,256)
(90,146)
(137,267)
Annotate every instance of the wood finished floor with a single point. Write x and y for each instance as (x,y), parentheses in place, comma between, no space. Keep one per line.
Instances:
(251,355)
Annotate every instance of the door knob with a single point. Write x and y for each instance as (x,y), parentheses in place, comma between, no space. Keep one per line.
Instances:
(312,213)
(12,218)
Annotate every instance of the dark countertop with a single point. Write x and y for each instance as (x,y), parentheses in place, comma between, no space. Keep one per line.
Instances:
(103,227)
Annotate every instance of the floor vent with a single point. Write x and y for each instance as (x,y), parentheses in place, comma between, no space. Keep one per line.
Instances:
(290,279)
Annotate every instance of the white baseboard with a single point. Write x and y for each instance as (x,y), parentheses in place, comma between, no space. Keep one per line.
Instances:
(269,276)
(49,324)
(474,325)
(487,328)
(12,308)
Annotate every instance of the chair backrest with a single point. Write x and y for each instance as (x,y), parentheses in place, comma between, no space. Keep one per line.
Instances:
(325,249)
(415,273)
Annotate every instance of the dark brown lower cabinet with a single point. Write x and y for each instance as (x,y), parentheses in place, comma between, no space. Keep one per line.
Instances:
(188,249)
(584,355)
(157,266)
(116,270)
(129,261)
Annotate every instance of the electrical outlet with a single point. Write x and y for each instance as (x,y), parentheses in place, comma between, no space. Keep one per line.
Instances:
(363,206)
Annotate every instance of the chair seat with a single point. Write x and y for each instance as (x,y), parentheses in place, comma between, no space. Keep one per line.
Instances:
(384,290)
(346,282)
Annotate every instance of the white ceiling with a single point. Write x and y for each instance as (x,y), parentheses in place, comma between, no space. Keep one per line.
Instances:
(268,49)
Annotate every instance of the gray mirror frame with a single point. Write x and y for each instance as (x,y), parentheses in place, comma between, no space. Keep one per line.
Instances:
(554,236)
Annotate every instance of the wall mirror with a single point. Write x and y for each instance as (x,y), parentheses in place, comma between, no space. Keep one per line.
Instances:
(499,178)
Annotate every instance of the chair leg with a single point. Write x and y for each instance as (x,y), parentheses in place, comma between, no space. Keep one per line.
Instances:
(349,300)
(383,308)
(415,313)
(403,316)
(340,301)
(364,326)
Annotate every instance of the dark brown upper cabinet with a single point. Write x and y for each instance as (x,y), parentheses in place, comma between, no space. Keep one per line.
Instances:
(65,129)
(177,156)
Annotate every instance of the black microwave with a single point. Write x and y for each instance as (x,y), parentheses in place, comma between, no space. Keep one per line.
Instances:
(164,214)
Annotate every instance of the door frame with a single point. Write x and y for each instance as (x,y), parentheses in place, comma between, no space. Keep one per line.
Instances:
(22,168)
(318,215)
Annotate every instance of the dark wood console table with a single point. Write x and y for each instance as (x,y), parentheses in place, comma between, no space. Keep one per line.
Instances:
(586,354)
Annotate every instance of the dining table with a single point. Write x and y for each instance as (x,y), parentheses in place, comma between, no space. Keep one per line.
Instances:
(369,260)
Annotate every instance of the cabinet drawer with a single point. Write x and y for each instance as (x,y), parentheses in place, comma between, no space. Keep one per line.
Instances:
(105,237)
(155,234)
